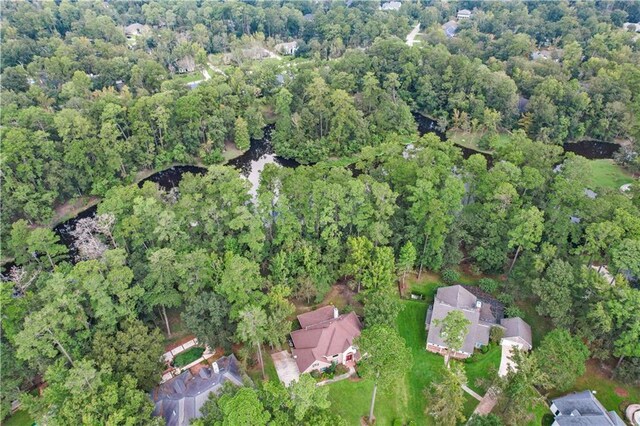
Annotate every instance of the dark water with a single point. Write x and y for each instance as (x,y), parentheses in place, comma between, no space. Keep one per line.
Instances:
(592,150)
(427,125)
(249,164)
(260,153)
(171,177)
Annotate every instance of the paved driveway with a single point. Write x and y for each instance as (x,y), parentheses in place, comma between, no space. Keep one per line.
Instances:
(506,362)
(286,367)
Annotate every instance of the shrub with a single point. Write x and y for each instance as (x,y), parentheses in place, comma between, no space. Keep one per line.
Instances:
(496,334)
(488,285)
(514,311)
(316,374)
(450,276)
(330,371)
(629,371)
(505,298)
(485,348)
(341,369)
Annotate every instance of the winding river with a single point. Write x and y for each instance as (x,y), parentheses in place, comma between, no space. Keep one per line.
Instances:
(260,153)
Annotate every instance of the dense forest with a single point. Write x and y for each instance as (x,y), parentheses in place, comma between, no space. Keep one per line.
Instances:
(87,111)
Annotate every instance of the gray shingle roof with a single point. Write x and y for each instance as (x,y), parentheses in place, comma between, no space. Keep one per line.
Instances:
(517,329)
(482,318)
(582,408)
(179,400)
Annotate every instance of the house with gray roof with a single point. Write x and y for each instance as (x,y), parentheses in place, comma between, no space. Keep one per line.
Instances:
(464,14)
(582,409)
(136,29)
(483,313)
(391,5)
(180,399)
(450,28)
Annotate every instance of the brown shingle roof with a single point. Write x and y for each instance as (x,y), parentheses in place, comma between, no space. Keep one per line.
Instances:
(321,314)
(323,335)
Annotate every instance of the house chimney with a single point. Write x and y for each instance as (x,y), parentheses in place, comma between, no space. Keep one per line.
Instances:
(335,312)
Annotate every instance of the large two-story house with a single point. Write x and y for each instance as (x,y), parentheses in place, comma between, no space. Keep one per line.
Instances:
(483,314)
(325,337)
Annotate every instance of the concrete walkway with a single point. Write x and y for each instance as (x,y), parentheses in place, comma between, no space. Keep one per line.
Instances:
(346,375)
(487,403)
(471,392)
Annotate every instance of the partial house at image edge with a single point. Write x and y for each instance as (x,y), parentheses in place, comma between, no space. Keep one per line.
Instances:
(325,338)
(582,408)
(180,399)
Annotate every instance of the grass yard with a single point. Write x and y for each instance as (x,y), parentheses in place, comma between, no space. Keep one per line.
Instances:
(255,372)
(188,78)
(20,418)
(188,356)
(481,365)
(607,174)
(351,399)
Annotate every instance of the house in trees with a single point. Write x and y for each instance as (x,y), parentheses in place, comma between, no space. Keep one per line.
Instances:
(464,14)
(391,5)
(180,399)
(325,337)
(483,313)
(286,48)
(135,29)
(450,28)
(631,26)
(185,65)
(582,408)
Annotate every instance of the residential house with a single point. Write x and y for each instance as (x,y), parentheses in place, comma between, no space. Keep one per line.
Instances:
(185,65)
(325,337)
(546,54)
(464,14)
(391,5)
(287,48)
(582,408)
(483,313)
(180,399)
(631,26)
(450,28)
(135,29)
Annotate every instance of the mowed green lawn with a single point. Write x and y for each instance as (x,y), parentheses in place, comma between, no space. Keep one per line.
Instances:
(352,399)
(607,174)
(20,418)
